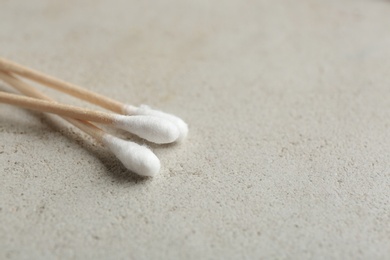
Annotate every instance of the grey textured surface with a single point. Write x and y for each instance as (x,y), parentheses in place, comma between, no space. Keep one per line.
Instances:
(288,155)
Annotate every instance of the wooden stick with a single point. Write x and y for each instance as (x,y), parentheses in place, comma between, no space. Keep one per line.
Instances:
(28,90)
(23,87)
(56,108)
(63,86)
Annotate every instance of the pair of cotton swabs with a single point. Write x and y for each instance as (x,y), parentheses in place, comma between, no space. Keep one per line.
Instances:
(153,125)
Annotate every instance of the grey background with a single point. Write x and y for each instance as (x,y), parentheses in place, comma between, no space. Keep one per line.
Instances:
(288,104)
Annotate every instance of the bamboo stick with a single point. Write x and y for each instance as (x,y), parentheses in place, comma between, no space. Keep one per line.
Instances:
(62,86)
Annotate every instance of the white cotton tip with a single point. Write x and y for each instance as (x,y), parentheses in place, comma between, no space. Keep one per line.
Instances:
(138,159)
(151,128)
(147,111)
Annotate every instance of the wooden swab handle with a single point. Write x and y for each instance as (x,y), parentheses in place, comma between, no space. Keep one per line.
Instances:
(55,108)
(28,90)
(62,86)
(23,87)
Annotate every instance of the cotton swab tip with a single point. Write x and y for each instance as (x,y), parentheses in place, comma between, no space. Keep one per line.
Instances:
(147,111)
(153,129)
(138,159)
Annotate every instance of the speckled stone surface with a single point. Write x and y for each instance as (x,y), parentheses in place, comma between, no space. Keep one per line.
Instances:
(288,155)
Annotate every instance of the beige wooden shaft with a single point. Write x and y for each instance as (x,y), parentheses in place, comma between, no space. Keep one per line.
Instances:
(23,87)
(63,86)
(28,90)
(87,127)
(55,108)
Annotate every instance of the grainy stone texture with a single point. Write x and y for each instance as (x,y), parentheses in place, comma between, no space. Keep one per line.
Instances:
(288,155)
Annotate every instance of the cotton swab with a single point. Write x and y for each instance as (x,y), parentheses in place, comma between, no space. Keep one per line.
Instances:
(92,97)
(147,111)
(150,128)
(134,157)
(157,131)
(138,159)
